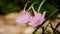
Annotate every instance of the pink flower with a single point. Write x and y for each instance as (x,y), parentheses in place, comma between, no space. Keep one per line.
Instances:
(37,19)
(24,18)
(34,21)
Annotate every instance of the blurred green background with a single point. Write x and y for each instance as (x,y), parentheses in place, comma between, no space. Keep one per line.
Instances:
(8,6)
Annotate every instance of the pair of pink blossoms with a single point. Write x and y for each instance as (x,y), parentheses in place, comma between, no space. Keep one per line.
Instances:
(34,21)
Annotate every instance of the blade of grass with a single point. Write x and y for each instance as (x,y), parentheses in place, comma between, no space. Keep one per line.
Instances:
(26,4)
(31,5)
(45,21)
(39,26)
(57,25)
(47,26)
(53,12)
(43,30)
(52,28)
(40,5)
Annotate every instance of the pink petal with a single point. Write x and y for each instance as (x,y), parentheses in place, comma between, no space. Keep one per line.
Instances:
(24,12)
(37,19)
(35,22)
(35,13)
(24,18)
(44,13)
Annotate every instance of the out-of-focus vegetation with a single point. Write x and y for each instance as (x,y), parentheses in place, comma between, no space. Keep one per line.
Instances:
(7,6)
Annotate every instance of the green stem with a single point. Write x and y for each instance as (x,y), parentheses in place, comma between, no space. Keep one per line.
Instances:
(26,4)
(31,6)
(39,8)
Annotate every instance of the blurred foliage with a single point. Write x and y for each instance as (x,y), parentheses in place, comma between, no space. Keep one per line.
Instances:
(7,6)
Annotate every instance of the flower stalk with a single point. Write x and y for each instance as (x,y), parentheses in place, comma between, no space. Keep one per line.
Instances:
(39,8)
